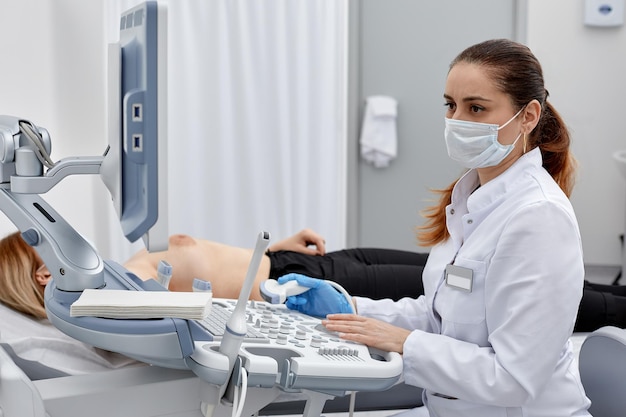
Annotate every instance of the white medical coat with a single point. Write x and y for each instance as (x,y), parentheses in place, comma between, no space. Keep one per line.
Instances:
(501,349)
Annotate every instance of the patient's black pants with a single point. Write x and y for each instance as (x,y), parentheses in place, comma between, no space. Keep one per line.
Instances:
(373,273)
(601,305)
(386,273)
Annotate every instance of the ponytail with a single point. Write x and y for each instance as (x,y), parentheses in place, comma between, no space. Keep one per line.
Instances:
(435,230)
(553,139)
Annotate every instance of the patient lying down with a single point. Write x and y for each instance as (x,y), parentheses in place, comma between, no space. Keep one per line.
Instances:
(23,277)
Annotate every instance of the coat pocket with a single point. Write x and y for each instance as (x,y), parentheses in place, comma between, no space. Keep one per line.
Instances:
(439,406)
(457,304)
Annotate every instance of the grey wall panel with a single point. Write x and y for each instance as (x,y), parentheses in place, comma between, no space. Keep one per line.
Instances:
(404,49)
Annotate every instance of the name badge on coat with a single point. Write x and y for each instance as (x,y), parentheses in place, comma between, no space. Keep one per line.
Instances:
(459,277)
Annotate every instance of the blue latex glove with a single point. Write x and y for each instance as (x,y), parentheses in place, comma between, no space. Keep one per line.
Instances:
(322,299)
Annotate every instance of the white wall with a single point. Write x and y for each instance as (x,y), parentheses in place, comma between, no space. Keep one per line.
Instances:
(584,71)
(52,73)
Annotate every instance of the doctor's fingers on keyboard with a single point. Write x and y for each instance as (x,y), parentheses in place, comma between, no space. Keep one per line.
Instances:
(368,331)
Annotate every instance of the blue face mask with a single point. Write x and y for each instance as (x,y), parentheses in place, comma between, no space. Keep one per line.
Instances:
(475,145)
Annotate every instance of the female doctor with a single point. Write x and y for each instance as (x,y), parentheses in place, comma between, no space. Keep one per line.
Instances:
(505,274)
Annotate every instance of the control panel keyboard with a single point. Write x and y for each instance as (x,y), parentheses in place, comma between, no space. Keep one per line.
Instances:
(215,323)
(269,323)
(297,350)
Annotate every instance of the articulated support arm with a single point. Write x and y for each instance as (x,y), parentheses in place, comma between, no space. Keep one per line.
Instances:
(74,264)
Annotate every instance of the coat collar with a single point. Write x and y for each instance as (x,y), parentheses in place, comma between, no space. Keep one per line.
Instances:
(487,194)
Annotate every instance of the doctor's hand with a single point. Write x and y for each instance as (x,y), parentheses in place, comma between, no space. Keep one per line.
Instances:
(302,242)
(322,298)
(369,331)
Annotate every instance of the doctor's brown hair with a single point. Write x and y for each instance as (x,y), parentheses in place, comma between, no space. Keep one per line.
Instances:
(18,288)
(516,72)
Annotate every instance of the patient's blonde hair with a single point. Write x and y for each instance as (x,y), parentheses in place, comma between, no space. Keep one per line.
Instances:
(18,265)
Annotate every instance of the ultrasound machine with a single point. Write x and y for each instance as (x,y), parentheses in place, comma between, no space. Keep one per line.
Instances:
(244,356)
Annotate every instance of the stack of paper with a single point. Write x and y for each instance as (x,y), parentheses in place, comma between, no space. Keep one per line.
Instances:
(142,304)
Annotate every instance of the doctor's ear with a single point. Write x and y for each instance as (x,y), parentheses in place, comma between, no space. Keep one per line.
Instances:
(531,115)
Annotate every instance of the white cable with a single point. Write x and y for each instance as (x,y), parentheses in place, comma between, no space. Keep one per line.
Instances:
(240,400)
(349,298)
(30,130)
(344,292)
(33,135)
(235,401)
(352,404)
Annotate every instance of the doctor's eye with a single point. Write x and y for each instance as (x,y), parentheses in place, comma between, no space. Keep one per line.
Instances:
(450,106)
(476,109)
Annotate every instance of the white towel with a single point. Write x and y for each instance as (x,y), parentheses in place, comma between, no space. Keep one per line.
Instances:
(379,134)
(142,304)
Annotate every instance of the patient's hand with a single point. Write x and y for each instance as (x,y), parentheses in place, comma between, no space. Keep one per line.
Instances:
(302,242)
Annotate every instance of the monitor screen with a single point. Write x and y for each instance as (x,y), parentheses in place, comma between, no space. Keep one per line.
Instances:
(135,165)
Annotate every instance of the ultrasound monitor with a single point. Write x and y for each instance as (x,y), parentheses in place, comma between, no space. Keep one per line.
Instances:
(135,166)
